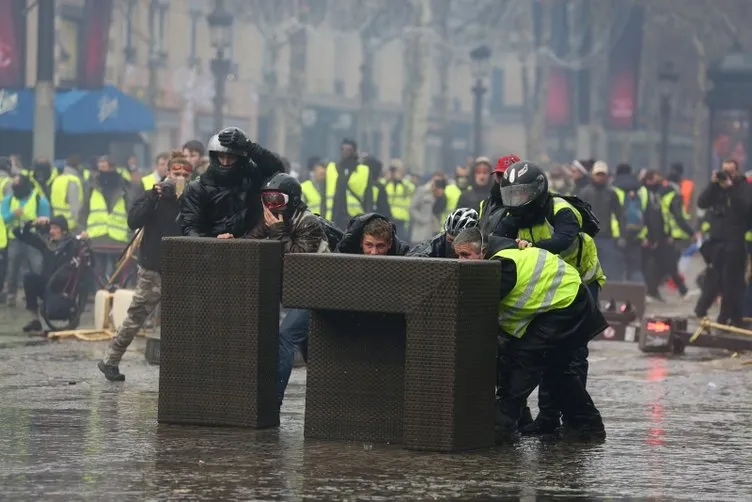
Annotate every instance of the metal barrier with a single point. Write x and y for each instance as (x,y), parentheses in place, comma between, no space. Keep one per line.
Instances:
(623,306)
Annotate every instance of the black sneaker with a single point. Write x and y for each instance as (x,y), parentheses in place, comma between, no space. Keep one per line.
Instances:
(111,373)
(33,326)
(542,426)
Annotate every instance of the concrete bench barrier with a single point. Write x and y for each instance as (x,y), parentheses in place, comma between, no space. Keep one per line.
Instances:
(401,350)
(220,330)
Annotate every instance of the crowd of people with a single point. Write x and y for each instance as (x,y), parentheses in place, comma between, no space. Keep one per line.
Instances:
(553,234)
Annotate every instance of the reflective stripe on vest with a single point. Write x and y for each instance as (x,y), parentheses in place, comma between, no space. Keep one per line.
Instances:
(357,188)
(29,213)
(544,282)
(400,195)
(582,254)
(59,197)
(101,223)
(672,228)
(311,196)
(149,181)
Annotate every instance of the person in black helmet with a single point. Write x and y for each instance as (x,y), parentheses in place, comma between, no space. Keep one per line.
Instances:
(287,219)
(225,201)
(536,217)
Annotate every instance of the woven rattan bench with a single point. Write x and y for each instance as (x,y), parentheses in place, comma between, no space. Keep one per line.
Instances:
(220,330)
(401,350)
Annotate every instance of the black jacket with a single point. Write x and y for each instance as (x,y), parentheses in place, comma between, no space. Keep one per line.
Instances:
(158,217)
(728,211)
(626,182)
(493,211)
(579,322)
(351,241)
(55,254)
(438,247)
(605,204)
(228,200)
(471,198)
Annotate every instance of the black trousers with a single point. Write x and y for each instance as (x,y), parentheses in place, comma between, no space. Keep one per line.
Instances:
(724,276)
(34,285)
(659,262)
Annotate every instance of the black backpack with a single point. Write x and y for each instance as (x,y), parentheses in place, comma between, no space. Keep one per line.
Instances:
(332,232)
(590,223)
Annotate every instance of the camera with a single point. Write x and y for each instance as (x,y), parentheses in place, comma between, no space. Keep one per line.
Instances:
(721,175)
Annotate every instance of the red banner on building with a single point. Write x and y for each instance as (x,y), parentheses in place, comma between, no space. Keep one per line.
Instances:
(12,43)
(623,78)
(92,59)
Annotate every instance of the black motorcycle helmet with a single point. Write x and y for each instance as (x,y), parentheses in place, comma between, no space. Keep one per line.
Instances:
(282,194)
(523,186)
(214,148)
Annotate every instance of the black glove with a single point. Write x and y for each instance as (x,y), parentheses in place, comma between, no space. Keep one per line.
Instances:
(235,139)
(168,189)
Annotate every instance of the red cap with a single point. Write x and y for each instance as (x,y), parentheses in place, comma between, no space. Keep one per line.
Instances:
(504,162)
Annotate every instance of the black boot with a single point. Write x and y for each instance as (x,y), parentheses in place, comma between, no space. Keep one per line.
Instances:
(542,426)
(592,432)
(111,373)
(33,326)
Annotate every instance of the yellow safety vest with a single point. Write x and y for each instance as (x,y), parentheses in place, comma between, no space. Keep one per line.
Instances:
(582,254)
(29,211)
(453,194)
(37,186)
(544,282)
(149,181)
(3,229)
(312,197)
(670,223)
(621,194)
(400,195)
(356,189)
(59,197)
(101,223)
(124,172)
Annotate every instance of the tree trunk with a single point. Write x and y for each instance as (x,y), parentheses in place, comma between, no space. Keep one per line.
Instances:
(540,97)
(699,129)
(272,107)
(293,131)
(444,67)
(365,114)
(417,88)
(599,89)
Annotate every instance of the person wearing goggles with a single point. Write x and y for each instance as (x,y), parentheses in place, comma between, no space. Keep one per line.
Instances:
(440,246)
(156,212)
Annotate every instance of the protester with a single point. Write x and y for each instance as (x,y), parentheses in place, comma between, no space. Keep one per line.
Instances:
(347,183)
(67,192)
(440,246)
(372,234)
(426,208)
(481,185)
(399,192)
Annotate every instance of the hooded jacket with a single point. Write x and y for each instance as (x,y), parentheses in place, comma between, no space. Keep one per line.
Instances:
(472,197)
(438,247)
(301,233)
(493,211)
(55,254)
(351,241)
(228,199)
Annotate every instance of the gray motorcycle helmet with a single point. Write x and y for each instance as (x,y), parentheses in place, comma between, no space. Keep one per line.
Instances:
(215,146)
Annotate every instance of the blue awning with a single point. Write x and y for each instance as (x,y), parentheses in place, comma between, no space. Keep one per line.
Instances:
(16,109)
(103,111)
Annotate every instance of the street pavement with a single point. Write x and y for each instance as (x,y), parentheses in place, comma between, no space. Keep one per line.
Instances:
(678,428)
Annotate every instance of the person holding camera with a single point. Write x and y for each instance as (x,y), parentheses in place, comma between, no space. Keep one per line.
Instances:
(156,212)
(728,202)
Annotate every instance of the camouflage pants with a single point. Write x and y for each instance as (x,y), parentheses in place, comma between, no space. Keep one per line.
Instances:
(145,299)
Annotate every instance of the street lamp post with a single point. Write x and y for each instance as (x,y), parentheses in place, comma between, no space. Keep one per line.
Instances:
(220,23)
(667,79)
(480,57)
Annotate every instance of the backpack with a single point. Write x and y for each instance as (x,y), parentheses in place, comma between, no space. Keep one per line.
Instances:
(590,223)
(632,210)
(332,232)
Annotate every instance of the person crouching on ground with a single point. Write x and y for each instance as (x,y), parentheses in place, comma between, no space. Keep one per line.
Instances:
(372,234)
(156,212)
(287,219)
(546,315)
(57,248)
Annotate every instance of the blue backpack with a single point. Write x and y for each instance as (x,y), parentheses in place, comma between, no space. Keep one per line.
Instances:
(633,213)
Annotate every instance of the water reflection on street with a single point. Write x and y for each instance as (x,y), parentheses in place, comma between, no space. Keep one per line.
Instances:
(678,428)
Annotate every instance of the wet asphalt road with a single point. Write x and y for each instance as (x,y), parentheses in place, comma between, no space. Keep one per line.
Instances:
(679,428)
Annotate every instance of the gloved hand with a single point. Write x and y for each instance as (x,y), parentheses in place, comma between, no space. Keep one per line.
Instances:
(233,138)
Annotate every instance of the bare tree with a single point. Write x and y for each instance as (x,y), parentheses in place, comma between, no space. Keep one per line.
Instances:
(417,91)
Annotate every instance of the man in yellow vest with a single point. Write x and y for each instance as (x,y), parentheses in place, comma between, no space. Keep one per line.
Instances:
(6,182)
(158,174)
(42,174)
(23,205)
(105,216)
(314,188)
(347,186)
(546,316)
(67,193)
(399,192)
